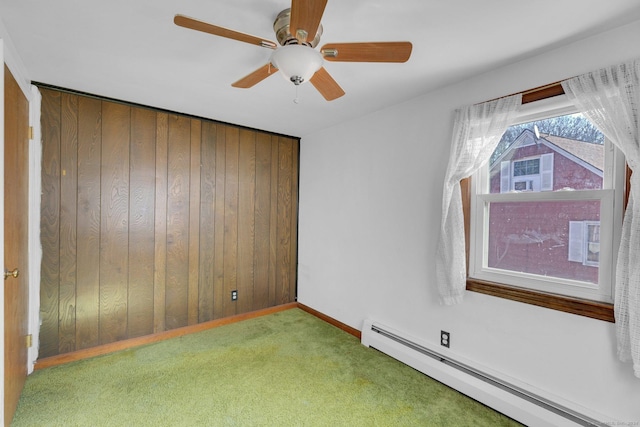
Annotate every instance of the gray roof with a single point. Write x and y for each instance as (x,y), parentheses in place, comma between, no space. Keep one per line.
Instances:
(588,152)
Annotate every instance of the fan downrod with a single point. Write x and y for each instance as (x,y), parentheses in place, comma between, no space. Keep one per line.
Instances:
(283,33)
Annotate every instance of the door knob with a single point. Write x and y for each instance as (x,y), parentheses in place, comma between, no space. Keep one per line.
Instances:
(15,273)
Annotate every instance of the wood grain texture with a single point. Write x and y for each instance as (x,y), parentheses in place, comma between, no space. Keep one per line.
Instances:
(593,309)
(306,15)
(219,293)
(207,221)
(194,223)
(262,221)
(273,229)
(246,220)
(194,24)
(255,77)
(177,287)
(68,217)
(369,52)
(114,232)
(151,219)
(293,243)
(16,254)
(88,223)
(326,85)
(160,229)
(231,221)
(283,277)
(50,223)
(141,222)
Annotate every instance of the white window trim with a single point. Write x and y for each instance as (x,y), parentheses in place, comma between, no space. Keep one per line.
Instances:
(579,242)
(611,208)
(586,244)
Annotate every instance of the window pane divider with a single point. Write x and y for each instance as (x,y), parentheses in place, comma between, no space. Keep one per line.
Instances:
(534,196)
(551,99)
(588,308)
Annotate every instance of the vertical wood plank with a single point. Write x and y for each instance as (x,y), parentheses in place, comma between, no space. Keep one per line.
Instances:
(273,229)
(194,222)
(293,244)
(207,221)
(68,215)
(160,228)
(231,220)
(178,222)
(262,221)
(149,221)
(141,222)
(283,288)
(49,223)
(114,242)
(219,223)
(246,219)
(88,242)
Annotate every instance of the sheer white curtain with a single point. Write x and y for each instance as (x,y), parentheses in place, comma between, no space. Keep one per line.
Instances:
(477,129)
(610,98)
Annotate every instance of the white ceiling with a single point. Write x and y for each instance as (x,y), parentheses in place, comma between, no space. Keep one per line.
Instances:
(131,50)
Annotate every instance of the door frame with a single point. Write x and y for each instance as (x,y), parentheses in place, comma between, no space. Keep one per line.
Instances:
(8,56)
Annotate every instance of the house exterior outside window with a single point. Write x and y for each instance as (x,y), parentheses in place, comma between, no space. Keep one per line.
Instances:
(537,239)
(538,210)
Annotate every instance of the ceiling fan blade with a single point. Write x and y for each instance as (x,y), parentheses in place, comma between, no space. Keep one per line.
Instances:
(326,85)
(305,18)
(194,24)
(367,52)
(256,77)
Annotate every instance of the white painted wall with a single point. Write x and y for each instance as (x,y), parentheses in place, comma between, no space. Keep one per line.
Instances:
(370,209)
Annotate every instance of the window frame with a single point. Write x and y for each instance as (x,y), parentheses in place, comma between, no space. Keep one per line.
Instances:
(583,243)
(576,305)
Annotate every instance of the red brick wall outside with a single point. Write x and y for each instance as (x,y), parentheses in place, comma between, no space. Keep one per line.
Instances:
(566,172)
(533,237)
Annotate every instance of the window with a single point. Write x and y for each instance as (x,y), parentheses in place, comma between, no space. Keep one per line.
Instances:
(527,175)
(545,213)
(526,167)
(584,242)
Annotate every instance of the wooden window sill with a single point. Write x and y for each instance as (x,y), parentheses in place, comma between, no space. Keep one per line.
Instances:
(594,309)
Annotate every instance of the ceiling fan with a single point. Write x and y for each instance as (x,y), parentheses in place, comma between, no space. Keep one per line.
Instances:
(298,32)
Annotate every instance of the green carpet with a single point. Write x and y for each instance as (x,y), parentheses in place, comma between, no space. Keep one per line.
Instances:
(284,369)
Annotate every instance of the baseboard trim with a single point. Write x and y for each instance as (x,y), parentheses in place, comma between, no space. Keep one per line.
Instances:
(148,339)
(353,331)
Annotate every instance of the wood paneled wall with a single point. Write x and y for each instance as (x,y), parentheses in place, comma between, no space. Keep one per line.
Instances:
(150,220)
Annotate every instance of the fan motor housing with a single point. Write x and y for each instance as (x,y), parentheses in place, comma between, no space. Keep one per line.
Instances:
(283,33)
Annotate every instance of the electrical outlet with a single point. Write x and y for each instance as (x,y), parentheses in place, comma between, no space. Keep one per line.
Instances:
(445,339)
(234,295)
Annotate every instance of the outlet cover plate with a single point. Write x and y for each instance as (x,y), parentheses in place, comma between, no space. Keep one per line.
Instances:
(445,339)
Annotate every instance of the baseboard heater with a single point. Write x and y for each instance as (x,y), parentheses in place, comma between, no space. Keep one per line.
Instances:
(504,396)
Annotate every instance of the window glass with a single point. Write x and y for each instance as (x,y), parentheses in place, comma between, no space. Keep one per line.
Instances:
(544,208)
(526,167)
(560,153)
(542,238)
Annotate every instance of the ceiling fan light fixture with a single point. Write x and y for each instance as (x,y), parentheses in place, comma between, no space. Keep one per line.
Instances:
(298,63)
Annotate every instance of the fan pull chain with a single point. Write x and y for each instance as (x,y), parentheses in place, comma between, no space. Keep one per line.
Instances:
(296,100)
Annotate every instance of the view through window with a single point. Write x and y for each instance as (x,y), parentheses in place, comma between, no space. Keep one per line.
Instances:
(541,205)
